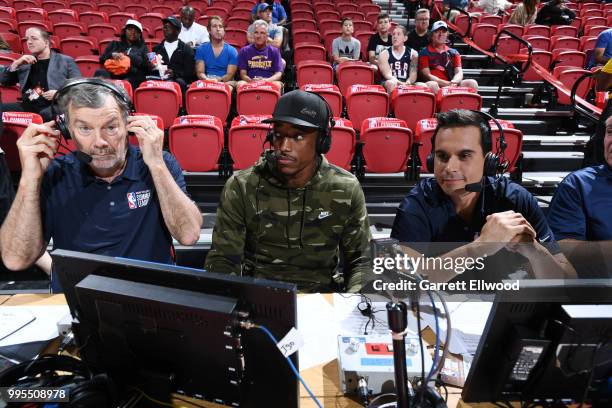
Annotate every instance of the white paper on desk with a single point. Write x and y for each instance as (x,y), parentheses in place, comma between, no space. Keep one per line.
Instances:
(13,319)
(42,329)
(351,321)
(318,329)
(468,320)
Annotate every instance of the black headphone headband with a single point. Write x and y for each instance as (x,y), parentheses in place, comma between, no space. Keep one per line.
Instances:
(495,161)
(60,122)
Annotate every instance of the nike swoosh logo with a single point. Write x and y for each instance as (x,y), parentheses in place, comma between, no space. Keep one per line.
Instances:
(324,214)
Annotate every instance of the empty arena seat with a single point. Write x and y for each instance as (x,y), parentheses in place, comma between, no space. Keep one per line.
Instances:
(343,144)
(353,72)
(484,35)
(14,125)
(161,98)
(507,45)
(539,30)
(78,46)
(538,42)
(256,98)
(413,103)
(306,36)
(93,17)
(565,30)
(102,31)
(330,92)
(458,97)
(569,77)
(366,101)
(314,72)
(247,136)
(543,58)
(63,16)
(69,29)
(22,26)
(386,144)
(31,14)
(209,98)
(568,58)
(423,133)
(564,43)
(10,93)
(88,65)
(8,13)
(158,122)
(196,141)
(308,52)
(125,84)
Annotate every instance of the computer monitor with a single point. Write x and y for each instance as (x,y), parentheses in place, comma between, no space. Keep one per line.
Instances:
(172,329)
(549,340)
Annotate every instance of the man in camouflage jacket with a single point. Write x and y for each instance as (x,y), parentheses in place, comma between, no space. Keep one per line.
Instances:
(293,214)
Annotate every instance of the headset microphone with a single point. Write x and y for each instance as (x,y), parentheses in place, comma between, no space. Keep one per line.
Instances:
(474,187)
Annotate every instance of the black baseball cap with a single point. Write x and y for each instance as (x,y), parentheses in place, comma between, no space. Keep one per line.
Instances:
(301,108)
(174,21)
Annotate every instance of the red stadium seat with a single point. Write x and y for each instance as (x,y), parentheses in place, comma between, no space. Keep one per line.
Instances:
(587,43)
(109,8)
(423,133)
(484,35)
(151,20)
(120,18)
(362,26)
(343,144)
(22,26)
(303,24)
(14,125)
(370,8)
(535,29)
(8,13)
(247,136)
(236,36)
(88,64)
(13,40)
(209,98)
(23,4)
(490,19)
(314,72)
(594,21)
(565,30)
(238,23)
(594,30)
(53,5)
(63,16)
(330,93)
(538,42)
(137,9)
(103,31)
(354,72)
(515,29)
(543,58)
(386,144)
(217,11)
(243,13)
(8,26)
(413,103)
(366,101)
(569,77)
(160,98)
(74,29)
(564,43)
(461,21)
(167,11)
(256,98)
(306,36)
(329,25)
(8,58)
(125,84)
(354,15)
(308,51)
(363,37)
(327,15)
(32,14)
(93,17)
(507,45)
(302,15)
(83,7)
(133,139)
(568,58)
(458,97)
(78,46)
(328,38)
(196,141)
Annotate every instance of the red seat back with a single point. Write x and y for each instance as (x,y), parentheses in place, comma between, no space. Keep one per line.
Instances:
(196,141)
(330,92)
(343,144)
(247,136)
(352,73)
(386,144)
(209,98)
(256,98)
(458,97)
(366,101)
(14,125)
(413,103)
(423,133)
(160,98)
(314,72)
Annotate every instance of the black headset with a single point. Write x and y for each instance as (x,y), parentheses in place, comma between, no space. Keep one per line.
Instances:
(60,121)
(495,161)
(84,388)
(324,138)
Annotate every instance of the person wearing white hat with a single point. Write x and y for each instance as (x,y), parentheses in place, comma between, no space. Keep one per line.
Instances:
(131,46)
(440,65)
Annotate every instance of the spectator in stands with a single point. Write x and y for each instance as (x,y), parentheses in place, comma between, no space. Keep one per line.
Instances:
(110,198)
(260,61)
(192,33)
(525,13)
(494,7)
(346,47)
(380,40)
(176,55)
(460,4)
(293,215)
(459,205)
(4,46)
(127,58)
(275,33)
(603,49)
(398,64)
(439,65)
(553,13)
(279,15)
(580,211)
(39,74)
(419,37)
(217,60)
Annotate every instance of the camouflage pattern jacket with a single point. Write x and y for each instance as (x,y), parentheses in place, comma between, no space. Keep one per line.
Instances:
(267,230)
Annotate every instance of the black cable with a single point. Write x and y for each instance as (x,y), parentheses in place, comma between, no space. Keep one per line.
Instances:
(418,317)
(591,373)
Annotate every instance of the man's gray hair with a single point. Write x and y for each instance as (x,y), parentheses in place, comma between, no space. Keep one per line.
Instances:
(90,95)
(260,22)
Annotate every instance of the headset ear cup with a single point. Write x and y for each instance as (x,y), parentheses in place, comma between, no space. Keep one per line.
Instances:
(491,164)
(324,141)
(430,163)
(60,123)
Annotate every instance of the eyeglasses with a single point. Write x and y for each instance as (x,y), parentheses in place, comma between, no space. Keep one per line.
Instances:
(422,19)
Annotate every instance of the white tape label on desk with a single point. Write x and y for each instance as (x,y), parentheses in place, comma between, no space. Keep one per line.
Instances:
(291,342)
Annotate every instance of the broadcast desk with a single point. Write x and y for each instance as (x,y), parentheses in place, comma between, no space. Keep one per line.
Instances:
(323,379)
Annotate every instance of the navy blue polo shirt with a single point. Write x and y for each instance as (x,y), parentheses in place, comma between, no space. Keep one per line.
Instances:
(122,218)
(582,206)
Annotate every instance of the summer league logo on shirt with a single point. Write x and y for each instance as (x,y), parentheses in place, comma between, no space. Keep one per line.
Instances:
(138,199)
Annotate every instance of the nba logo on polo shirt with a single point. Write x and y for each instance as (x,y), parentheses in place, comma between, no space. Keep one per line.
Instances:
(138,199)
